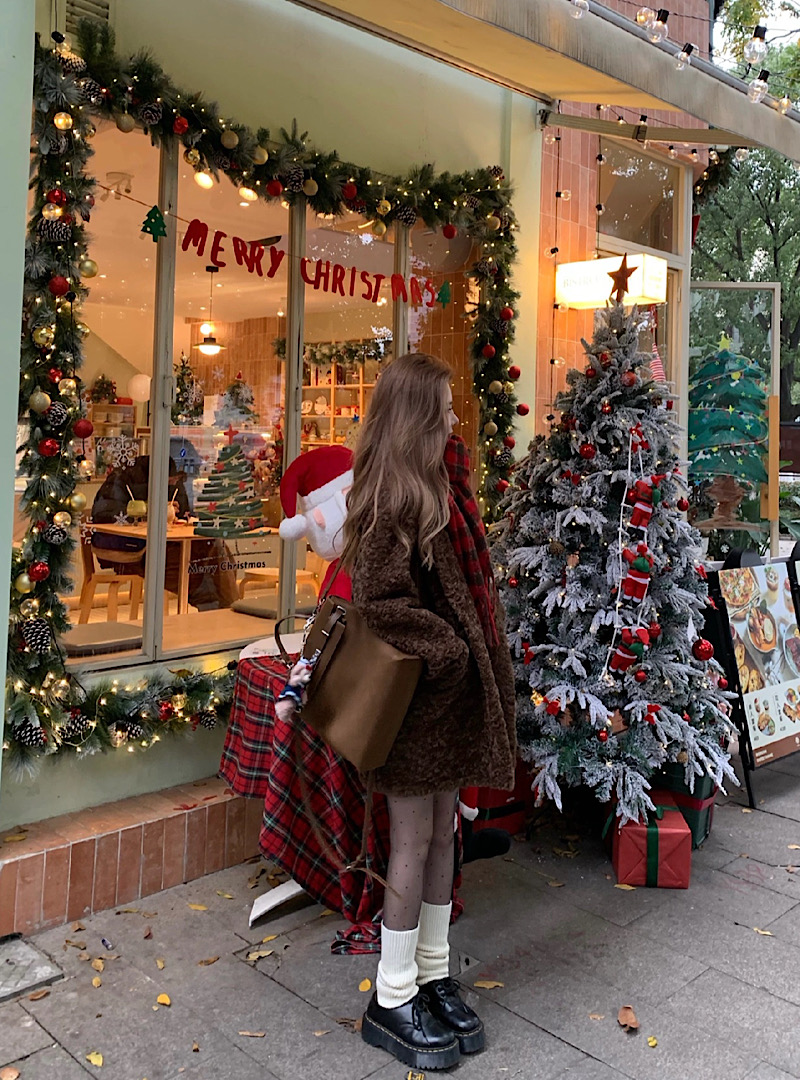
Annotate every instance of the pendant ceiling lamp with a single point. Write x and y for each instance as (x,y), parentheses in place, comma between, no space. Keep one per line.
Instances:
(209,346)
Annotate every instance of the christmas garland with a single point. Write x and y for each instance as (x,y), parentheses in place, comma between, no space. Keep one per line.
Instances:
(349,354)
(69,89)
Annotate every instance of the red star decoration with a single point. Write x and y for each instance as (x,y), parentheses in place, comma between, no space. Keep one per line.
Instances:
(252,522)
(620,279)
(219,466)
(242,485)
(230,434)
(212,506)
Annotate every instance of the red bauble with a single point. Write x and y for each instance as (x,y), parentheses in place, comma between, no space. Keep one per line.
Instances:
(349,191)
(58,285)
(510,442)
(180,125)
(640,676)
(602,734)
(576,478)
(628,378)
(512,583)
(590,373)
(67,219)
(686,717)
(57,197)
(670,404)
(606,408)
(502,486)
(274,188)
(449,231)
(56,374)
(587,451)
(48,447)
(514,372)
(523,409)
(39,571)
(553,708)
(605,359)
(507,314)
(654,630)
(83,428)
(683,505)
(488,351)
(722,683)
(702,649)
(166,710)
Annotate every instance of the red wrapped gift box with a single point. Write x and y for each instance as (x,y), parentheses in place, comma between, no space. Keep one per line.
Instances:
(503,809)
(657,852)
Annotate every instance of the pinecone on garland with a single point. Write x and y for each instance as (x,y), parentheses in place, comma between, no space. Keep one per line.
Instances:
(501,398)
(37,635)
(499,326)
(484,268)
(406,215)
(472,202)
(150,114)
(28,734)
(221,160)
(206,718)
(496,172)
(76,727)
(54,534)
(92,91)
(57,232)
(503,458)
(294,178)
(135,730)
(56,414)
(71,63)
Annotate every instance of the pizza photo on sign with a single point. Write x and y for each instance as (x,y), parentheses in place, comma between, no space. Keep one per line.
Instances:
(739,587)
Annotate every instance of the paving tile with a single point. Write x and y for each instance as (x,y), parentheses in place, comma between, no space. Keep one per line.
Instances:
(152,857)
(223,1060)
(81,876)
(23,968)
(753,1018)
(129,874)
(776,878)
(8,893)
(768,1072)
(21,1035)
(51,1064)
(787,927)
(776,791)
(329,983)
(728,896)
(757,834)
(235,832)
(56,885)
(174,849)
(30,878)
(196,822)
(592,1069)
(215,838)
(105,873)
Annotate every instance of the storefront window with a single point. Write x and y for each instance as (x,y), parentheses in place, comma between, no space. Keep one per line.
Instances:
(639,194)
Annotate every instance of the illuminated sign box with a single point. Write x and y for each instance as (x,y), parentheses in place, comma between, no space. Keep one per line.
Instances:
(587,284)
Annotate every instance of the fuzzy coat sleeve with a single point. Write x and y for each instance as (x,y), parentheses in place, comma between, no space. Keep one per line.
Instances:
(387,598)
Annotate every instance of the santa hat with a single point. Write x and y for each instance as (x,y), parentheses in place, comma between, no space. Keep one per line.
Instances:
(311,480)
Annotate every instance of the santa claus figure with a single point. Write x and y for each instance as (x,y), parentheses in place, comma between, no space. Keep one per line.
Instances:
(645,495)
(629,651)
(637,580)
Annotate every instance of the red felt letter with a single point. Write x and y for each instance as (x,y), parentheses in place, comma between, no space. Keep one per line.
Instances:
(376,288)
(216,248)
(365,277)
(275,259)
(416,292)
(399,287)
(430,288)
(337,279)
(196,235)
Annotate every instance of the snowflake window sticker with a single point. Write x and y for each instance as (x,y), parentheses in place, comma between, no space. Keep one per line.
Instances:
(119,451)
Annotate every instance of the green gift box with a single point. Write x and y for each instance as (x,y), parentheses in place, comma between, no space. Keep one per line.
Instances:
(696,806)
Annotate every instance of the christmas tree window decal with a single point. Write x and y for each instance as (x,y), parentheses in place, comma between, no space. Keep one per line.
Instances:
(154,224)
(228,505)
(601,577)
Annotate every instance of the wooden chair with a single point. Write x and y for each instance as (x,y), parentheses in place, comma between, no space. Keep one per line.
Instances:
(93,576)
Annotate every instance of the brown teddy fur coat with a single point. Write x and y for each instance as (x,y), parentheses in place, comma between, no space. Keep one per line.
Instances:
(460,728)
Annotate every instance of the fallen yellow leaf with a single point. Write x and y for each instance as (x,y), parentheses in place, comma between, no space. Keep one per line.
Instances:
(95,1058)
(224,895)
(97,982)
(626,1018)
(198,907)
(98,964)
(195,1048)
(129,911)
(161,963)
(625,887)
(208,962)
(794,847)
(597,1016)
(327,911)
(37,995)
(364,985)
(746,810)
(259,954)
(270,937)
(75,944)
(84,956)
(555,884)
(488,984)
(319,1034)
(9,1073)
(148,933)
(253,1034)
(15,838)
(652,1041)
(77,927)
(764,933)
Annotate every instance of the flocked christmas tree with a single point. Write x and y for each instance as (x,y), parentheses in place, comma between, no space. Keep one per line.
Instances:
(188,407)
(236,406)
(605,591)
(227,506)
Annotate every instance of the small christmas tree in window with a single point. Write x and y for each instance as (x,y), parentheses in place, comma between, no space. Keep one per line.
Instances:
(236,406)
(227,506)
(154,224)
(188,407)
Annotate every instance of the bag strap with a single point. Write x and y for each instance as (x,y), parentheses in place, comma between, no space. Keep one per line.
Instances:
(279,641)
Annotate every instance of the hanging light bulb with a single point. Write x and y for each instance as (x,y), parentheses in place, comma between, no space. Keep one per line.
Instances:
(247,194)
(713,156)
(758,87)
(579,8)
(566,195)
(204,179)
(673,153)
(742,154)
(600,208)
(784,105)
(209,346)
(550,252)
(557,361)
(658,30)
(695,155)
(645,17)
(756,48)
(550,137)
(684,57)
(601,159)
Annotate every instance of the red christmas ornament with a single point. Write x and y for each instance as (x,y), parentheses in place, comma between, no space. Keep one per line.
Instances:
(523,409)
(449,231)
(686,717)
(48,447)
(602,734)
(83,428)
(605,359)
(587,451)
(722,683)
(180,125)
(57,197)
(89,200)
(56,374)
(39,571)
(274,188)
(512,583)
(606,408)
(590,372)
(702,649)
(510,442)
(166,710)
(514,372)
(683,505)
(488,351)
(669,405)
(67,219)
(628,379)
(58,285)
(553,708)
(654,630)
(349,191)
(640,676)
(650,717)
(507,314)
(701,570)
(502,486)
(576,478)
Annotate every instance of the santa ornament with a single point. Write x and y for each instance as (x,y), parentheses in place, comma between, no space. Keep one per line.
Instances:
(630,650)
(637,580)
(645,495)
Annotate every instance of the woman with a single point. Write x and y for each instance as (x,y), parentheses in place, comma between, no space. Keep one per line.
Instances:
(417,552)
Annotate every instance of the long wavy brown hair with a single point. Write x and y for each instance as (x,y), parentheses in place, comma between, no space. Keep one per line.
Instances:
(399,457)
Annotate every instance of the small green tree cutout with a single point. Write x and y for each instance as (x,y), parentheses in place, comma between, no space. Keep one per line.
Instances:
(154,224)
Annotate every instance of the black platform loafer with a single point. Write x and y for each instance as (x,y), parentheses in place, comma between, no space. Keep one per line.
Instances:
(444,1001)
(411,1033)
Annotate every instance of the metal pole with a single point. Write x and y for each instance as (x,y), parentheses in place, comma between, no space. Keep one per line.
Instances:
(402,262)
(293,382)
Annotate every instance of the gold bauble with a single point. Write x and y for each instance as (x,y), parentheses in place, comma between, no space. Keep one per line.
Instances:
(490,429)
(23,584)
(82,329)
(90,131)
(87,268)
(67,387)
(77,501)
(383,207)
(192,157)
(39,401)
(379,228)
(179,701)
(86,469)
(310,187)
(493,223)
(62,519)
(229,139)
(51,212)
(63,121)
(29,607)
(260,156)
(125,122)
(508,387)
(44,336)
(495,386)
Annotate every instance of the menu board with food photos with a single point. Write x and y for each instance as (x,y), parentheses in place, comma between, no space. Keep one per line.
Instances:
(766,646)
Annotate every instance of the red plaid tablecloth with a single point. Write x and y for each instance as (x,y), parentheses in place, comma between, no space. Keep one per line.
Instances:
(260,758)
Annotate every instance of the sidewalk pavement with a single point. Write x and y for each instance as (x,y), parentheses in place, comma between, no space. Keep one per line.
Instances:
(563,947)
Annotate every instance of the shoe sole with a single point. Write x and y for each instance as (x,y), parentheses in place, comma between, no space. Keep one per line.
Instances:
(472,1043)
(376,1035)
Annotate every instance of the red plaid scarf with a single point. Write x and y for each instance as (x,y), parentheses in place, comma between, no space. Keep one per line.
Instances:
(468,536)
